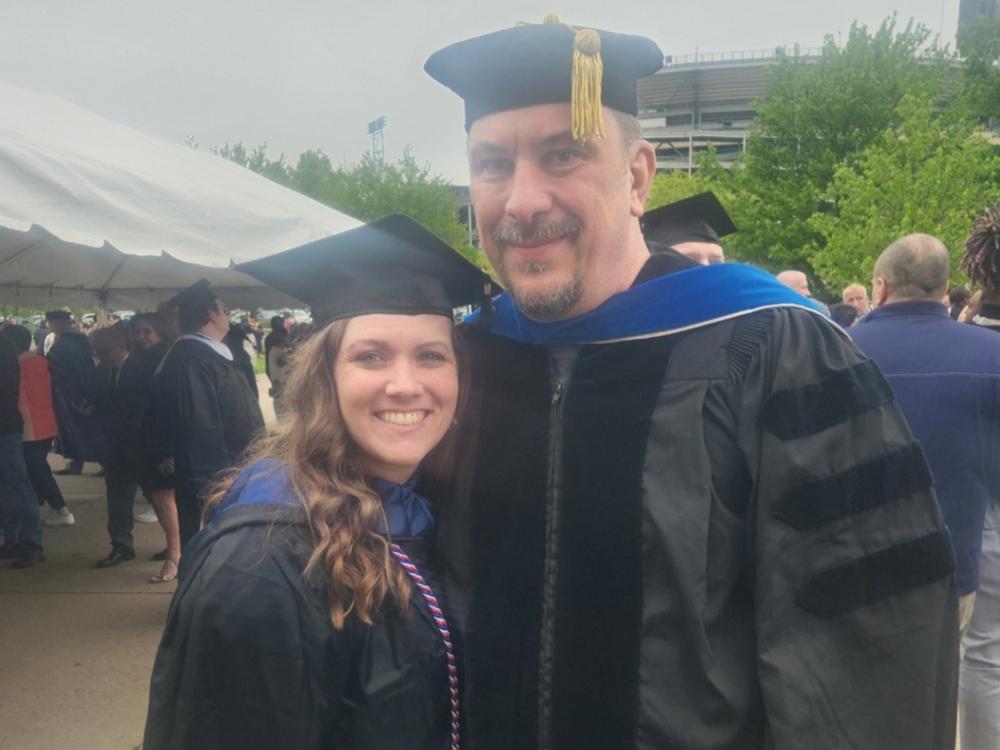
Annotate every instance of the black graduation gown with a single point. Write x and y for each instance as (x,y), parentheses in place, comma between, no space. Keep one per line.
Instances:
(74,382)
(120,404)
(249,658)
(207,410)
(722,539)
(234,341)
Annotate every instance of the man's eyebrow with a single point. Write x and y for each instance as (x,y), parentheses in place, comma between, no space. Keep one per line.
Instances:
(486,148)
(557,139)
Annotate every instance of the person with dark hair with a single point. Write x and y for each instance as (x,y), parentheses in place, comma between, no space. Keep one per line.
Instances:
(120,404)
(153,338)
(843,314)
(207,409)
(38,415)
(958,299)
(278,351)
(279,333)
(71,365)
(19,517)
(236,339)
(311,613)
(979,687)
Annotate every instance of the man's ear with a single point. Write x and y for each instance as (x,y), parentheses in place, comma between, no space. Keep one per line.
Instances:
(642,169)
(880,291)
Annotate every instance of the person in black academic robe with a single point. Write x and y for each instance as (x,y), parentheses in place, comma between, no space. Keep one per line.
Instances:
(249,658)
(263,649)
(206,408)
(687,511)
(74,379)
(234,340)
(210,417)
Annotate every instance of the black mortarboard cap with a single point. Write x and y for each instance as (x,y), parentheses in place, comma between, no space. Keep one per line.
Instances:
(198,296)
(58,315)
(700,218)
(392,266)
(543,63)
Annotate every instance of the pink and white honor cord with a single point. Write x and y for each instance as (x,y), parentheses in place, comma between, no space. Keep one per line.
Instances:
(442,626)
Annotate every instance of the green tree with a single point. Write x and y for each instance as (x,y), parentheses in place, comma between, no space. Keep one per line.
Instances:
(980,46)
(374,189)
(930,174)
(672,186)
(369,190)
(819,116)
(256,160)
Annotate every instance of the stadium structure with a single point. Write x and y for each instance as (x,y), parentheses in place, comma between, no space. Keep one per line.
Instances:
(705,99)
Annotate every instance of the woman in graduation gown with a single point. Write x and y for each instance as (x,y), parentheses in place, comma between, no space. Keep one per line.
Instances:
(309,612)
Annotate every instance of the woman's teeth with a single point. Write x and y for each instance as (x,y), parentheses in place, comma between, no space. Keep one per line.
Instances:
(402,417)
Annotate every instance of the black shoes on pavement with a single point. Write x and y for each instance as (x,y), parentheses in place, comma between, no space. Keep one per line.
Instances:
(28,558)
(117,557)
(24,556)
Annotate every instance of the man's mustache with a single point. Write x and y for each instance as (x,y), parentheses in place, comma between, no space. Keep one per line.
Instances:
(516,233)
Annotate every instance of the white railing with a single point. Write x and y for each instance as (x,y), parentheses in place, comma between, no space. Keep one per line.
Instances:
(748,55)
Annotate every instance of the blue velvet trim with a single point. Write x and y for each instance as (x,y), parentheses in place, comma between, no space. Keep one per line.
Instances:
(666,304)
(265,482)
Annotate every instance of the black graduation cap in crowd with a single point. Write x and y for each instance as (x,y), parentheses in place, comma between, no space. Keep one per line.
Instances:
(58,315)
(545,63)
(393,266)
(700,218)
(196,293)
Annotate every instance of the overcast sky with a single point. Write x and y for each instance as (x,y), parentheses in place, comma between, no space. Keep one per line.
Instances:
(310,74)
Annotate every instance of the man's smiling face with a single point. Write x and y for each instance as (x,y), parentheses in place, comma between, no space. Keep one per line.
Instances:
(553,214)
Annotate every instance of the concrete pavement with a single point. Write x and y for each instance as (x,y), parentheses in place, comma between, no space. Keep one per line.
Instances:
(76,643)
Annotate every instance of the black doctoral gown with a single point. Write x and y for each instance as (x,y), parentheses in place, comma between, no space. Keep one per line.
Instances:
(249,659)
(206,409)
(720,539)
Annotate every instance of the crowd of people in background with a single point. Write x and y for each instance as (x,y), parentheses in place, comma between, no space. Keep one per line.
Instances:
(108,393)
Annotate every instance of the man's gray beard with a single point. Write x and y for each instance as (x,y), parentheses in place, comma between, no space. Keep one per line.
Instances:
(553,303)
(546,306)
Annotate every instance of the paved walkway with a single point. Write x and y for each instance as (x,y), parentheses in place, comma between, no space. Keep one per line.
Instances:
(76,643)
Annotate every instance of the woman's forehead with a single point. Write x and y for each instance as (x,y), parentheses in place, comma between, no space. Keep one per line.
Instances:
(392,327)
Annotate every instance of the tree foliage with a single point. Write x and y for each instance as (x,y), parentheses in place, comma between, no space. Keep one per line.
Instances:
(980,46)
(820,115)
(929,174)
(369,190)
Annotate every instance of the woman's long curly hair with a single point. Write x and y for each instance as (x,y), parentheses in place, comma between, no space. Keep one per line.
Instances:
(322,464)
(982,250)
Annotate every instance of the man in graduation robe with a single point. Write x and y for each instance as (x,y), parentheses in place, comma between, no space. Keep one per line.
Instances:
(694,227)
(207,410)
(688,514)
(81,436)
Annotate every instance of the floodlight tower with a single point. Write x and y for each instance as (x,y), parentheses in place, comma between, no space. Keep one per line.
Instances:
(375,130)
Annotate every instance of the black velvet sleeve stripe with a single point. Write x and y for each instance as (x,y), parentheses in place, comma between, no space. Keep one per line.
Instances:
(861,488)
(878,576)
(798,412)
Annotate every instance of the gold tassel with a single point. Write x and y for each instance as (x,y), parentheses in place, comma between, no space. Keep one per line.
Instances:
(551,18)
(588,69)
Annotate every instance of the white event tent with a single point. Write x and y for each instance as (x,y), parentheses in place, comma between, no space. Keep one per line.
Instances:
(93,213)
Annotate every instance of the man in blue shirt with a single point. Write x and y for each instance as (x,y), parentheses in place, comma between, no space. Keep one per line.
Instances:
(946,378)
